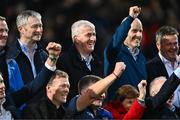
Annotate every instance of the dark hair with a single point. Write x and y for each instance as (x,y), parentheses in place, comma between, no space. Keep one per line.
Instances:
(126,91)
(165,30)
(86,80)
(58,73)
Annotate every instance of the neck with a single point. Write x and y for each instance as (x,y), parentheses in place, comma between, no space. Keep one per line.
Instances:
(28,43)
(57,104)
(132,49)
(82,52)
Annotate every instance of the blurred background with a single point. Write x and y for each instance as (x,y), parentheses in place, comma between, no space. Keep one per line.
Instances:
(58,16)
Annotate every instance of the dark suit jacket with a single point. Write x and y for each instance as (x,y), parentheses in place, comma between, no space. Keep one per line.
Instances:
(76,68)
(155,68)
(43,109)
(155,104)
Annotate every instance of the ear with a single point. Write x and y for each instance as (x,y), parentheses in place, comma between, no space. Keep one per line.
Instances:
(75,39)
(158,45)
(20,28)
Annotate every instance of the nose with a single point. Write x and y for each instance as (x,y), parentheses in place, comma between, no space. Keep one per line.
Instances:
(93,37)
(39,28)
(103,95)
(67,89)
(2,85)
(139,34)
(5,33)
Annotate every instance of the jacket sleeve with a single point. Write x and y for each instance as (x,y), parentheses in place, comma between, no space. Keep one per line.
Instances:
(163,95)
(135,112)
(23,93)
(114,46)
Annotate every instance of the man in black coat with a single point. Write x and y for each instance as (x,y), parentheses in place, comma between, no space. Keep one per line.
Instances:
(81,60)
(51,106)
(167,59)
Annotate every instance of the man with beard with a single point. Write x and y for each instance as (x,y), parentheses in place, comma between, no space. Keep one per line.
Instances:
(124,47)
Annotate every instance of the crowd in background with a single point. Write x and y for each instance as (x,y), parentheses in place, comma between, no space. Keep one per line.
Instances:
(58,17)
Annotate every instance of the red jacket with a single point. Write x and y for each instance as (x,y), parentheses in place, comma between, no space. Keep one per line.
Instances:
(118,111)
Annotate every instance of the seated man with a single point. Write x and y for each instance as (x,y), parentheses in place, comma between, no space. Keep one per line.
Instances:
(87,105)
(128,102)
(51,106)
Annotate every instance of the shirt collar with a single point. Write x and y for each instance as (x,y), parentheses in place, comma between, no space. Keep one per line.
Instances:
(136,51)
(25,48)
(166,61)
(87,58)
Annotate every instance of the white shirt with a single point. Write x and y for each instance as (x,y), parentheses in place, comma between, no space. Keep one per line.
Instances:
(169,68)
(87,59)
(25,50)
(4,114)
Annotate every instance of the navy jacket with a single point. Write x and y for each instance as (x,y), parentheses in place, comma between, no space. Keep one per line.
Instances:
(28,91)
(116,51)
(14,53)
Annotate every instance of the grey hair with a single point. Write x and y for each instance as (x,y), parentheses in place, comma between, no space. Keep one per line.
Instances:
(2,18)
(22,18)
(1,78)
(154,88)
(76,25)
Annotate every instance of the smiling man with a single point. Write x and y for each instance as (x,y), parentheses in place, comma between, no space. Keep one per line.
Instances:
(124,46)
(26,51)
(51,106)
(81,60)
(167,59)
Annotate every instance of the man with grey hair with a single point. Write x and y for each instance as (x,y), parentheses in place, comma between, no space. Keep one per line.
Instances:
(80,60)
(26,51)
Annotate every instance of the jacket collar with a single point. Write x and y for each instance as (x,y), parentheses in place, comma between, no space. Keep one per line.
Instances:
(77,59)
(14,49)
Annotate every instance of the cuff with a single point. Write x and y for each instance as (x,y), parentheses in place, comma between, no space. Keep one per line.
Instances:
(52,68)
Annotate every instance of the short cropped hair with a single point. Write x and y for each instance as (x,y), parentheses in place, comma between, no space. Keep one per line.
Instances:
(86,81)
(126,91)
(2,18)
(76,25)
(58,73)
(1,78)
(156,85)
(165,30)
(22,18)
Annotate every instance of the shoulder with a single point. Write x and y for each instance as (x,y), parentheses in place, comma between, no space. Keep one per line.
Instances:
(104,113)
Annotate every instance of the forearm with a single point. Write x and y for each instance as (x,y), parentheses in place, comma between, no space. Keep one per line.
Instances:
(121,32)
(31,89)
(93,92)
(102,85)
(165,92)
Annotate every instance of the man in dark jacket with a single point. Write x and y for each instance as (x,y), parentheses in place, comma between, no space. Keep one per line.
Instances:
(50,106)
(81,60)
(3,41)
(167,59)
(17,98)
(124,46)
(25,53)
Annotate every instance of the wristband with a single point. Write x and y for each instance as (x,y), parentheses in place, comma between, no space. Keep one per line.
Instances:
(115,75)
(53,58)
